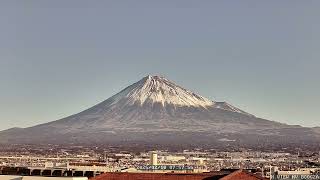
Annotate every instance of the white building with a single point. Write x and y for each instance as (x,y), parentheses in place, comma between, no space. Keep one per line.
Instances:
(174,158)
(153,158)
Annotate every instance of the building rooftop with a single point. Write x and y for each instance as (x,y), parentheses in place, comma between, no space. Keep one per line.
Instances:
(159,176)
(237,175)
(242,175)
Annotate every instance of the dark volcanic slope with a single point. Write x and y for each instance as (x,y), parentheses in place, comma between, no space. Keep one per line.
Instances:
(155,110)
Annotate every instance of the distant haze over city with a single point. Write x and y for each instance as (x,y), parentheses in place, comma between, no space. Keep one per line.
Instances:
(58,58)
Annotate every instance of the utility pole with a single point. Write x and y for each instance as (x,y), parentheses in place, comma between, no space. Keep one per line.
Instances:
(105,156)
(270,172)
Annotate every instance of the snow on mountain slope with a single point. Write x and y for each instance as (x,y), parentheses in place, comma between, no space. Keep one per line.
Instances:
(228,107)
(156,89)
(151,104)
(155,110)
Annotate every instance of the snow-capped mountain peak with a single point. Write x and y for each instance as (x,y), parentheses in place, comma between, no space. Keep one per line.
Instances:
(157,89)
(156,111)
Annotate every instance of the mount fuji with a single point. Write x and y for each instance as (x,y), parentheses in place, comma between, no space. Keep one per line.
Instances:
(155,110)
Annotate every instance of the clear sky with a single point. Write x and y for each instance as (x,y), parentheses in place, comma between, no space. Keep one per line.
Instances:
(60,57)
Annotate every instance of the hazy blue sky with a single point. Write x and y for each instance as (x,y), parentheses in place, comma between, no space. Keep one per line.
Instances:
(60,57)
